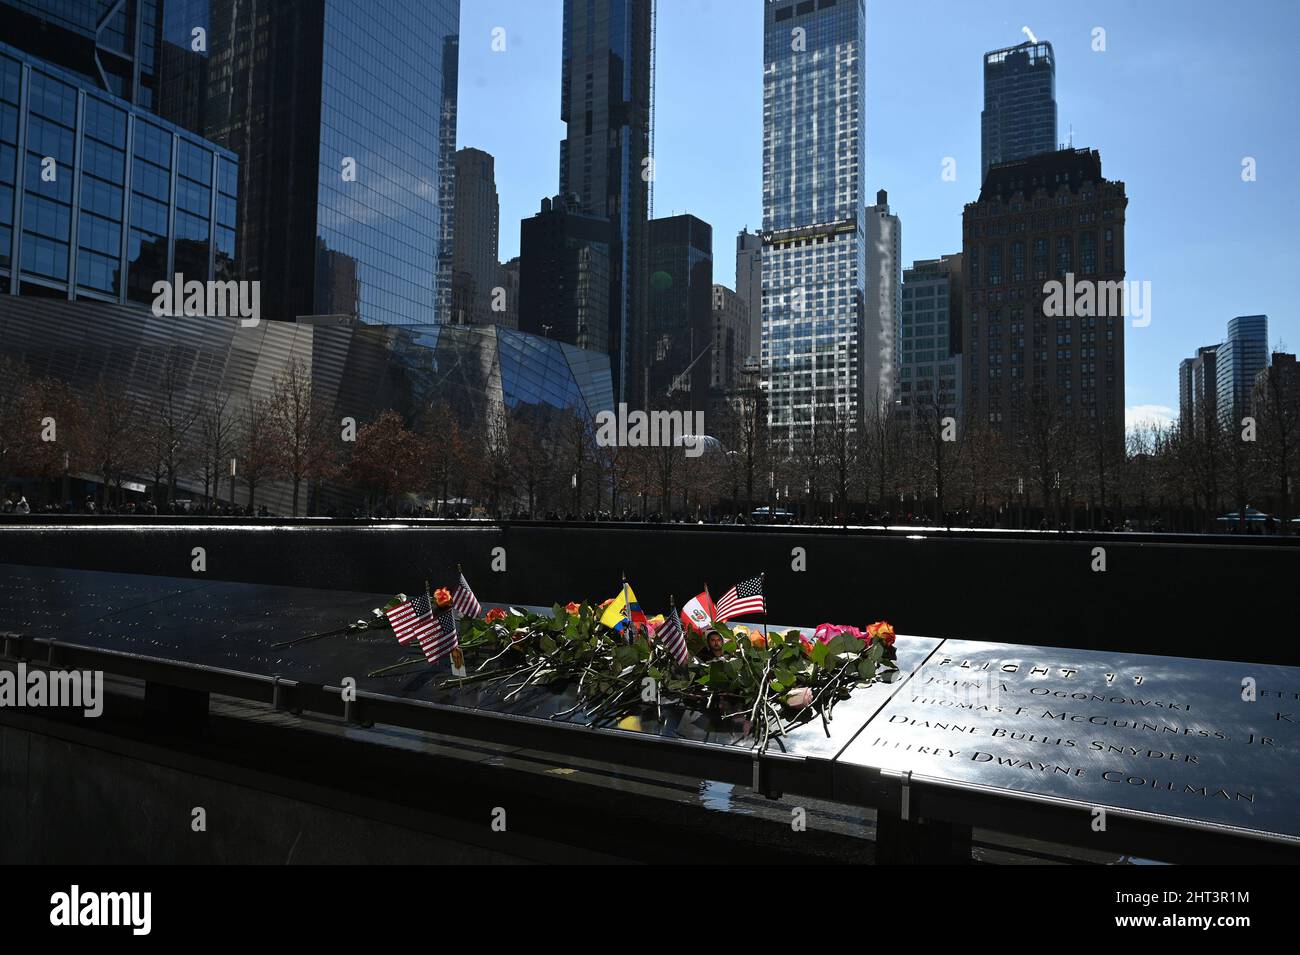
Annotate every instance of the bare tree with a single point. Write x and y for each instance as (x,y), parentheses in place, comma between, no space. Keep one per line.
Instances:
(218,437)
(115,445)
(260,456)
(173,416)
(299,417)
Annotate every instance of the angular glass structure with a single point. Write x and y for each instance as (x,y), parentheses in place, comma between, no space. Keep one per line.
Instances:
(100,199)
(478,371)
(1019,117)
(814,243)
(112,44)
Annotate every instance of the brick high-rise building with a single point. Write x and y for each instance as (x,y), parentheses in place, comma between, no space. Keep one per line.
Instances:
(1044,220)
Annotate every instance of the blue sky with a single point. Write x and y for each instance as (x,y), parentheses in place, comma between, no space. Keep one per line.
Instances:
(1184,90)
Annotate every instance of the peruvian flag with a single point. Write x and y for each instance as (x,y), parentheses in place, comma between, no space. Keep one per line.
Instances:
(698,614)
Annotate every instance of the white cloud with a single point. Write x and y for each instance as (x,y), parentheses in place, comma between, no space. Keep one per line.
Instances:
(1137,416)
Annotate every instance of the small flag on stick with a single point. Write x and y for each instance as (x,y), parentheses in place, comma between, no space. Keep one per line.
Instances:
(464,601)
(412,618)
(442,638)
(670,632)
(744,598)
(699,612)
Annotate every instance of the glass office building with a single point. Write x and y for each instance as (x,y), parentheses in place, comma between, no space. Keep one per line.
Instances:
(1019,117)
(344,117)
(1243,354)
(680,317)
(113,44)
(605,105)
(930,369)
(814,241)
(100,199)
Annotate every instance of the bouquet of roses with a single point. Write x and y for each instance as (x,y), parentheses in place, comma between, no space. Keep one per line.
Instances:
(767,683)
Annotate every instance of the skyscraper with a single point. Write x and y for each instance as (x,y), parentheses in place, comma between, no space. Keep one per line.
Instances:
(730,339)
(1243,354)
(1197,389)
(883,318)
(929,359)
(564,276)
(1049,219)
(113,46)
(1019,117)
(605,158)
(347,139)
(680,314)
(749,284)
(814,236)
(476,239)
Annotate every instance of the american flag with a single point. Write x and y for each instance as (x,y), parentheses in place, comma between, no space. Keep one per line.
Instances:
(464,601)
(745,597)
(442,637)
(412,619)
(673,638)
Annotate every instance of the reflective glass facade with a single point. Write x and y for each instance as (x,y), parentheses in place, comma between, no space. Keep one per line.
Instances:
(814,245)
(344,115)
(112,44)
(388,99)
(1019,117)
(605,104)
(1242,356)
(681,308)
(99,199)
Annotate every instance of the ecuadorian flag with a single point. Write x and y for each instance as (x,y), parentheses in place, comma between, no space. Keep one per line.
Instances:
(623,606)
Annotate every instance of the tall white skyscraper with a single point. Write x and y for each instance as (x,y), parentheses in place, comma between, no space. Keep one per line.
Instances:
(814,236)
(883,321)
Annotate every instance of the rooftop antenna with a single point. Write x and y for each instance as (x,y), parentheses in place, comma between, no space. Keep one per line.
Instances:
(1072,135)
(1029,33)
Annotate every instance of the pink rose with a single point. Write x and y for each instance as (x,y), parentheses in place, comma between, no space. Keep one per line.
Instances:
(800,698)
(829,631)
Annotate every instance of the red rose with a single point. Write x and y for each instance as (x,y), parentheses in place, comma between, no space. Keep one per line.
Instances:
(495,614)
